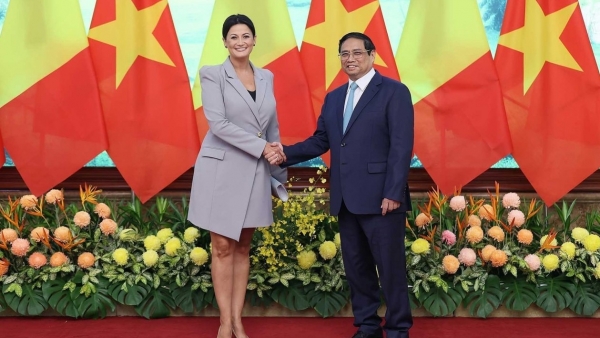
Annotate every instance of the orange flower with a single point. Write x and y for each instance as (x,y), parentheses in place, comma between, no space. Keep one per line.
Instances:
(496,233)
(54,196)
(9,235)
(102,210)
(450,264)
(58,259)
(108,227)
(525,236)
(39,234)
(37,260)
(28,202)
(4,265)
(498,258)
(487,252)
(86,260)
(474,235)
(19,247)
(63,234)
(422,220)
(474,221)
(486,212)
(82,219)
(88,194)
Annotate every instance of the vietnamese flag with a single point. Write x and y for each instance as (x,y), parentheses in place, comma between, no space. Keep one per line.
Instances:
(460,122)
(2,157)
(328,21)
(145,93)
(551,91)
(276,50)
(50,115)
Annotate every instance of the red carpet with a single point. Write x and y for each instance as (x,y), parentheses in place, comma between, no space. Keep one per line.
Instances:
(271,327)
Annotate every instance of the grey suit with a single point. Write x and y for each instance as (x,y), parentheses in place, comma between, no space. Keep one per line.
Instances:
(231,187)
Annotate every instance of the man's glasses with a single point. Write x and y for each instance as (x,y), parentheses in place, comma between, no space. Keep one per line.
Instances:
(357,54)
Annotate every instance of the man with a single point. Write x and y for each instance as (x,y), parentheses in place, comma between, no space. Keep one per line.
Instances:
(368,126)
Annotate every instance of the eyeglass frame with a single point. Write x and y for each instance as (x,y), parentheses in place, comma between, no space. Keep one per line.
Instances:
(354,54)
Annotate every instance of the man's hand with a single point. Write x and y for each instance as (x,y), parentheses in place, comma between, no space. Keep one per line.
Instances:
(388,205)
(273,152)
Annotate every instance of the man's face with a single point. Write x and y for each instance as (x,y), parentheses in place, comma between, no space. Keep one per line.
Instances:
(355,60)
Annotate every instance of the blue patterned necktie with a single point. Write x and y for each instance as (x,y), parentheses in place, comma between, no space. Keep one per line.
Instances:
(349,105)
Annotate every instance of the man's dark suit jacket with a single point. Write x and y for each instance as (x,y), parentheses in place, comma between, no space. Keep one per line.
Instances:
(372,159)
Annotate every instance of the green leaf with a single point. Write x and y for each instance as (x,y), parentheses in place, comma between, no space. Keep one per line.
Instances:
(555,293)
(183,297)
(586,300)
(59,297)
(96,304)
(414,302)
(203,299)
(519,294)
(31,302)
(157,304)
(327,304)
(128,294)
(486,299)
(255,300)
(293,297)
(440,303)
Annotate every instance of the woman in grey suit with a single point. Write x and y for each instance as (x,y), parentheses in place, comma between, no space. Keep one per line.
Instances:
(231,189)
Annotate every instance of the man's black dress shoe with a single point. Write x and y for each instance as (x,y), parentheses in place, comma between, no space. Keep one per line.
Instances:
(360,334)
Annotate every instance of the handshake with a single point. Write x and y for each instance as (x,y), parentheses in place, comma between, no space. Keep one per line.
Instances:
(273,153)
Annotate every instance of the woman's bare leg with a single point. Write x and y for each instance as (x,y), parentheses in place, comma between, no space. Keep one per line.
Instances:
(241,270)
(223,276)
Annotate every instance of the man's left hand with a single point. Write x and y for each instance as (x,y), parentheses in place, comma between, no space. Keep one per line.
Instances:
(388,205)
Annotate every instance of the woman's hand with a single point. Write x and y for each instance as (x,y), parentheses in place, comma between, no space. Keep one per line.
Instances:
(273,152)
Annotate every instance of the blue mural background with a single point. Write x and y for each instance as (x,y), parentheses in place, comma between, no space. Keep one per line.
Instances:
(192,17)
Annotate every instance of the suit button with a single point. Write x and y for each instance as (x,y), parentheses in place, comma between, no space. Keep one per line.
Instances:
(343,144)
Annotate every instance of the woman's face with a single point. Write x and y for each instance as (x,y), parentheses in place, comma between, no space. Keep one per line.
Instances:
(239,41)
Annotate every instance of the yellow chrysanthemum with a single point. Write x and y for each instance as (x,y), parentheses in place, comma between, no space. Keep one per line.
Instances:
(579,234)
(568,249)
(150,258)
(420,246)
(172,246)
(152,243)
(474,221)
(486,212)
(164,235)
(120,256)
(496,233)
(543,239)
(592,243)
(550,262)
(199,256)
(596,271)
(128,235)
(327,250)
(486,252)
(306,259)
(190,234)
(450,264)
(337,240)
(474,235)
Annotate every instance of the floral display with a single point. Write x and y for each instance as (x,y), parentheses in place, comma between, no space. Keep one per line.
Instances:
(83,257)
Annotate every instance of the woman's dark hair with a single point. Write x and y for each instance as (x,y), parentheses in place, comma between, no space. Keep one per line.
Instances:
(237,19)
(355,35)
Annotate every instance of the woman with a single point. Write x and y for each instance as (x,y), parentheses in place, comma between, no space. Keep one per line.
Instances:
(231,189)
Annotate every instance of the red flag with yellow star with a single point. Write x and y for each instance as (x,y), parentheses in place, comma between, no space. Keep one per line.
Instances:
(328,21)
(551,91)
(445,60)
(145,93)
(2,157)
(50,115)
(276,50)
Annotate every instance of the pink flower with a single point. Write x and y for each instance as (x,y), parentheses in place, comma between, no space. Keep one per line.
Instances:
(511,200)
(448,237)
(19,247)
(108,226)
(533,262)
(102,210)
(517,216)
(37,260)
(458,203)
(82,219)
(467,256)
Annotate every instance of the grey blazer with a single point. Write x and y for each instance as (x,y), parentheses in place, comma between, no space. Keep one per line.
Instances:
(231,187)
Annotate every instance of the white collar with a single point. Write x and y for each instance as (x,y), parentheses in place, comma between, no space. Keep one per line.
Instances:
(364,80)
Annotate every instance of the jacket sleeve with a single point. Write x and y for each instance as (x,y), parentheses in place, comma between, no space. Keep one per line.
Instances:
(401,129)
(272,135)
(213,103)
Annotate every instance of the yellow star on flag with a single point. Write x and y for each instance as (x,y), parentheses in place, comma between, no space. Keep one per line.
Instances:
(131,34)
(338,22)
(539,40)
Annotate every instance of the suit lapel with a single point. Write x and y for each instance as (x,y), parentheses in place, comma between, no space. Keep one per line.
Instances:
(339,109)
(370,91)
(261,91)
(239,87)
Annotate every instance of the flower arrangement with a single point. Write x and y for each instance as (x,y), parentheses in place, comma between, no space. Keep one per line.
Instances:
(82,258)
